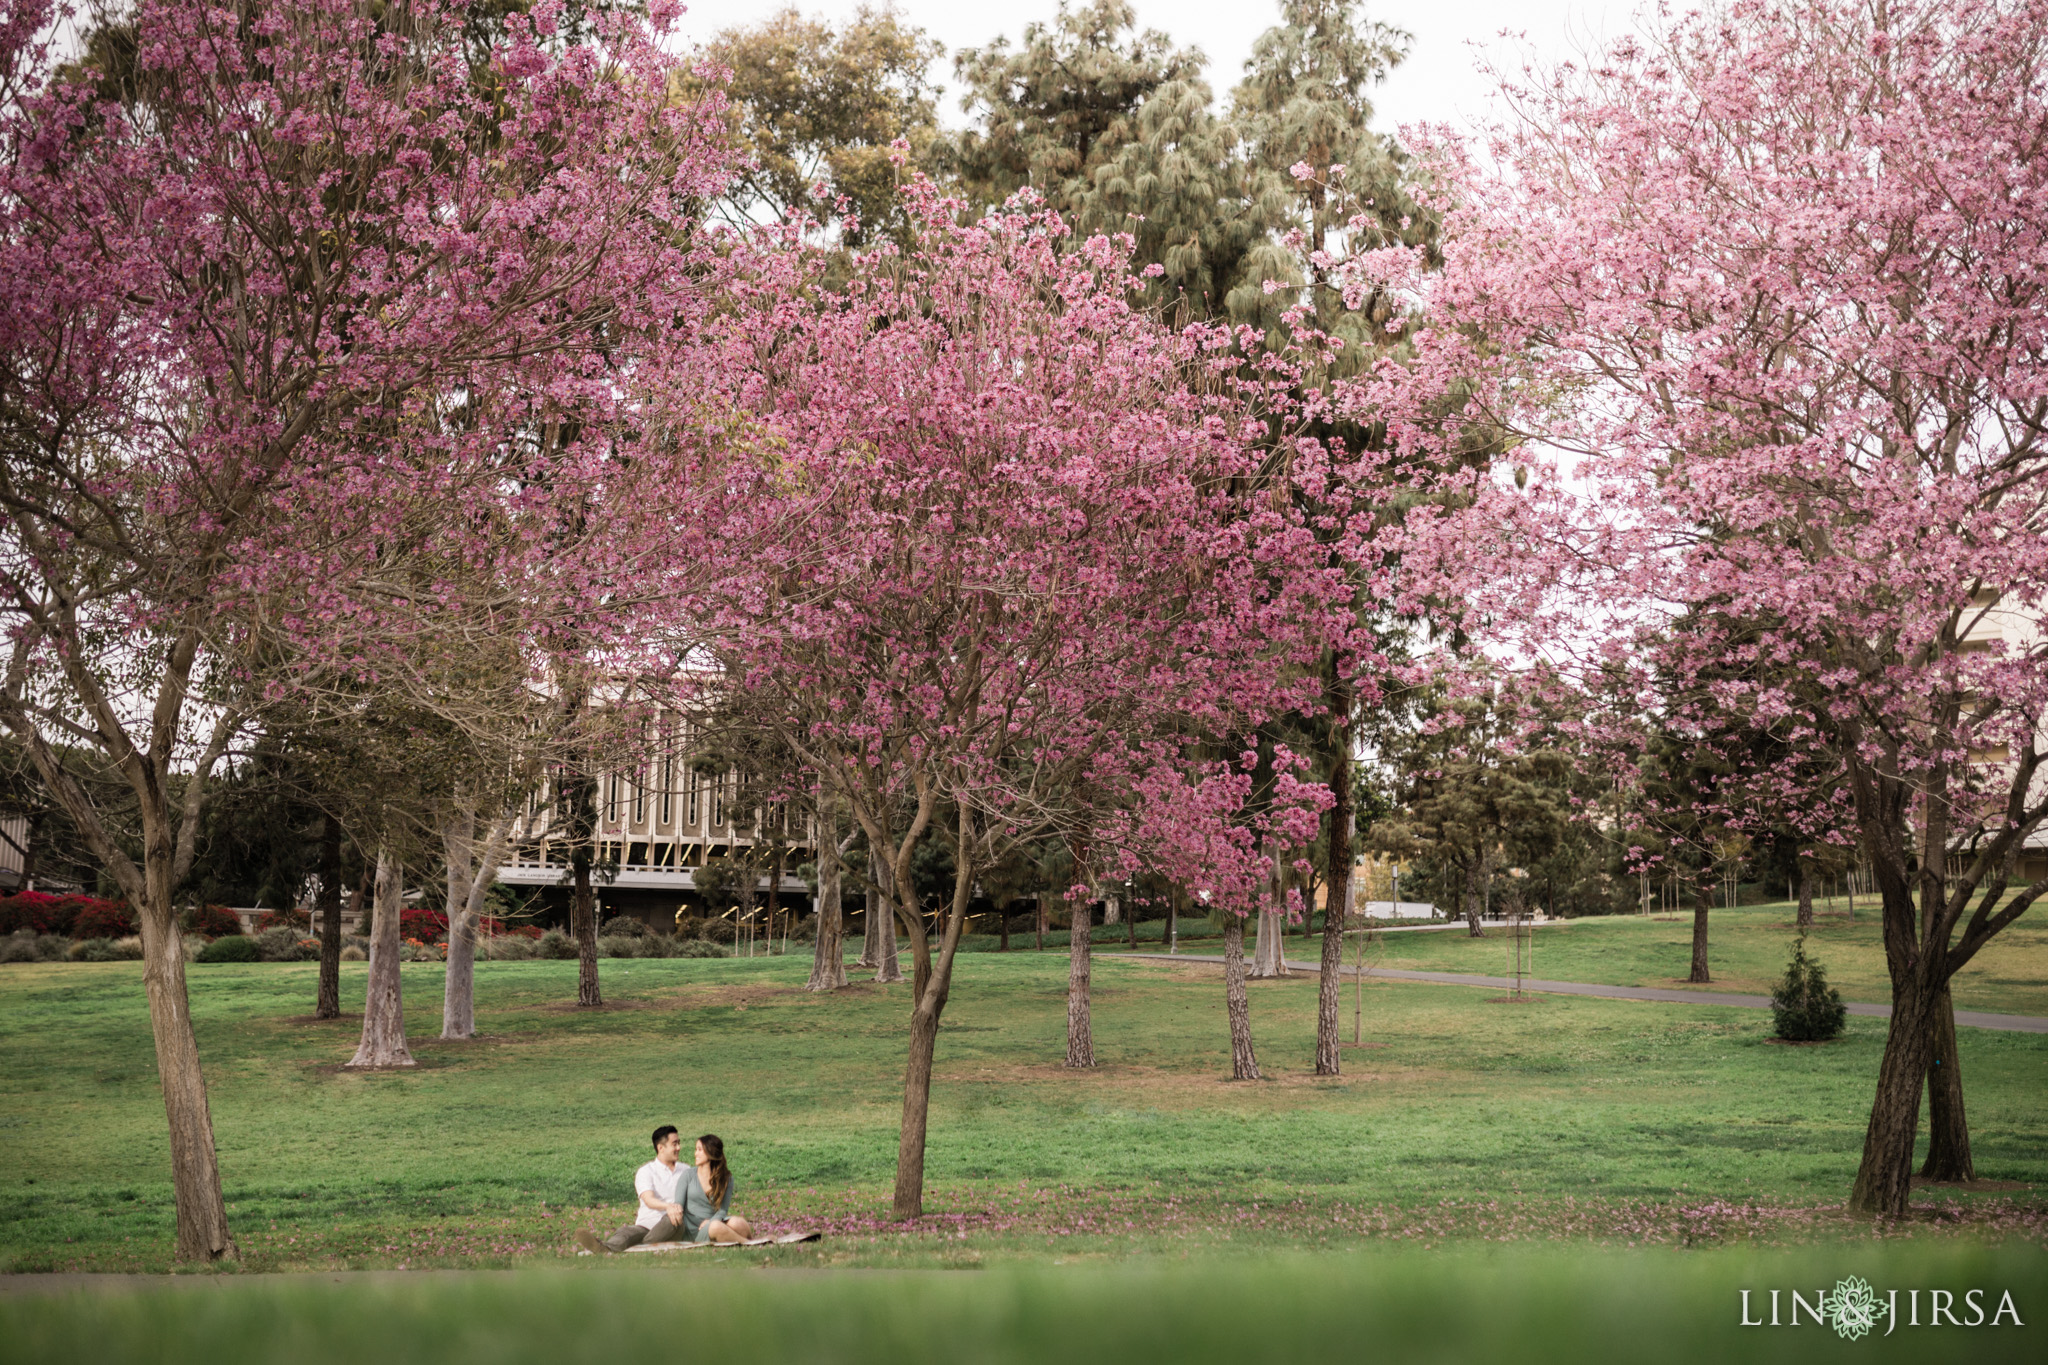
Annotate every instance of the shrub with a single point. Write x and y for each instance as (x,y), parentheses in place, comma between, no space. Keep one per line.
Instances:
(695,947)
(105,950)
(212,921)
(41,913)
(507,948)
(412,950)
(18,947)
(230,948)
(354,954)
(52,947)
(1805,1008)
(285,919)
(555,944)
(284,943)
(104,919)
(428,926)
(623,926)
(618,945)
(21,913)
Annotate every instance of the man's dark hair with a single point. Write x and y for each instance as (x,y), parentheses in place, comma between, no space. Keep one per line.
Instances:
(663,1132)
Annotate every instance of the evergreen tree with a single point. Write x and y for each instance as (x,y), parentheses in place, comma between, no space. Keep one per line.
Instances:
(1804,1007)
(1305,103)
(1117,130)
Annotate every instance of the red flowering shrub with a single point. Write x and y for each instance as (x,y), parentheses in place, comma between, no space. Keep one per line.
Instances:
(75,916)
(493,927)
(427,926)
(290,919)
(39,912)
(213,921)
(104,919)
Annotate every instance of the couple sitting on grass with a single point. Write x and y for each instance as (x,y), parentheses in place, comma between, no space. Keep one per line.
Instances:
(678,1203)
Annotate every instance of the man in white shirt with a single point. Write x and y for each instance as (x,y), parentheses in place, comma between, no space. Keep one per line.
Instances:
(661,1217)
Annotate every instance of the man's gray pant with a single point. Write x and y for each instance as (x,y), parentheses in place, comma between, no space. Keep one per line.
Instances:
(633,1235)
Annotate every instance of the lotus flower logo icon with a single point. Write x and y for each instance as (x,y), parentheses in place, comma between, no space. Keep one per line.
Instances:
(1853,1309)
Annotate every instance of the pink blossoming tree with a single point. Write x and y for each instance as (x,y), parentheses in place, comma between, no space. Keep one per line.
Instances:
(1765,298)
(253,278)
(1020,581)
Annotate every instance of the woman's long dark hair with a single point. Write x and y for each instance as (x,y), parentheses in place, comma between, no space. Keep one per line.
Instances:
(721,1177)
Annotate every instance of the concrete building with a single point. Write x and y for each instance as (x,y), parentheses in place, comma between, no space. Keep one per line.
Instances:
(657,822)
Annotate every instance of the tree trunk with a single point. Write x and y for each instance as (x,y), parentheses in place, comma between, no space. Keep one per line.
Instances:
(1131,927)
(1172,918)
(774,896)
(1884,1179)
(383,1041)
(1080,1031)
(828,962)
(583,923)
(1112,911)
(580,796)
(924,1037)
(1003,927)
(1244,1063)
(1269,947)
(1038,921)
(888,966)
(1700,974)
(1948,1130)
(1805,896)
(917,1100)
(202,1215)
(1338,878)
(1471,895)
(458,989)
(327,1000)
(870,938)
(32,849)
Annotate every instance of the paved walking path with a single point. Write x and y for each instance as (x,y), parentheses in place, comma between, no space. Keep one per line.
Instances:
(2007,1023)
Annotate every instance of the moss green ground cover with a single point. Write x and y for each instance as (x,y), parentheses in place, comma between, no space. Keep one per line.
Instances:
(1589,1120)
(1498,1304)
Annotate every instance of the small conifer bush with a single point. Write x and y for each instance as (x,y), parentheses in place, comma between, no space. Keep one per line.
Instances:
(1805,1008)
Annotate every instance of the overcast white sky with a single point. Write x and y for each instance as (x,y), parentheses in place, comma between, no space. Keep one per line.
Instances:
(1437,84)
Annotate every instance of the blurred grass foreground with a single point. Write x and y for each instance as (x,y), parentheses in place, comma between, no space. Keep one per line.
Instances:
(1465,1306)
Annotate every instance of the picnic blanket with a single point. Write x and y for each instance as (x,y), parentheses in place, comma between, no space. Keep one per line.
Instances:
(785,1239)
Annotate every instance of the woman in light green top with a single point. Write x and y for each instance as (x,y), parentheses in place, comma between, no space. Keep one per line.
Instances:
(705,1192)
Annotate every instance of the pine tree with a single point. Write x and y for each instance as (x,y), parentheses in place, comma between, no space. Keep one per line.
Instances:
(1305,102)
(1804,1007)
(1117,130)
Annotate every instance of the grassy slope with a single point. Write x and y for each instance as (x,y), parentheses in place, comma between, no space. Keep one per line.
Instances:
(1747,952)
(475,1158)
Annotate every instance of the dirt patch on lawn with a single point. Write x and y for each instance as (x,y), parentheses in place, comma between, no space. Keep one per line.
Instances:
(1972,1186)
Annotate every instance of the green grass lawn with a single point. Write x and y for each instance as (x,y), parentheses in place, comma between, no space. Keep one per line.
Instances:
(1747,949)
(1467,1306)
(1466,1120)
